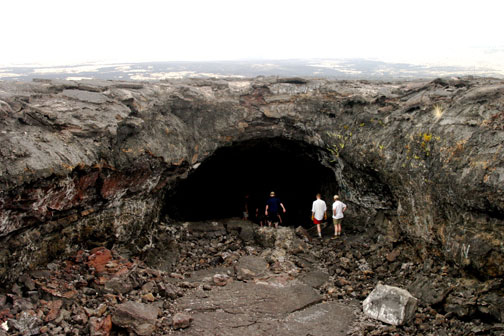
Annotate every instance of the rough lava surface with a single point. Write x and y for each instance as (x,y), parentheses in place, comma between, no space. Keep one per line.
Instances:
(87,163)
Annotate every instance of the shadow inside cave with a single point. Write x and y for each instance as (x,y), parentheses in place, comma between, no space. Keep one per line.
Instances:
(217,188)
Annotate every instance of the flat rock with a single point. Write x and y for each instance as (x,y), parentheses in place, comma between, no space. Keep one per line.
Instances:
(330,318)
(314,279)
(85,96)
(206,275)
(206,227)
(249,267)
(261,299)
(320,319)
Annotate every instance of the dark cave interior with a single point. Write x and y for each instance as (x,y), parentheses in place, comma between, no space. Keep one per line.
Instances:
(217,188)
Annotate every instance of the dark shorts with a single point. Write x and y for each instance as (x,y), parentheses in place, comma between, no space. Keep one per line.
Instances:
(273,216)
(337,221)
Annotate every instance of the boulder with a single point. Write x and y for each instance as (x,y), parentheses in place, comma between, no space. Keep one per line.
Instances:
(492,304)
(429,290)
(286,239)
(265,237)
(303,233)
(244,228)
(137,317)
(118,285)
(221,279)
(389,304)
(181,321)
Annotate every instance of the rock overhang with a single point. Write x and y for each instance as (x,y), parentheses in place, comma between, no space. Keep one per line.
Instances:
(421,159)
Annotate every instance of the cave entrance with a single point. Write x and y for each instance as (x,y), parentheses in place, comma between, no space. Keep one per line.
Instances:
(217,188)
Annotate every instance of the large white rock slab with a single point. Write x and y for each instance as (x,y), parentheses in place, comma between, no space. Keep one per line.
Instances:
(389,304)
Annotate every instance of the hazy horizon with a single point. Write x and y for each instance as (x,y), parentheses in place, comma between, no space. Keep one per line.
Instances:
(431,33)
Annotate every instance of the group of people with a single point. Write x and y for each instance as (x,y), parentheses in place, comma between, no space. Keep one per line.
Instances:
(319,214)
(275,208)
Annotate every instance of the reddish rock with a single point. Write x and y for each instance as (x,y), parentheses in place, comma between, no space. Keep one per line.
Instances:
(79,256)
(54,309)
(5,314)
(83,183)
(181,321)
(117,182)
(100,327)
(99,257)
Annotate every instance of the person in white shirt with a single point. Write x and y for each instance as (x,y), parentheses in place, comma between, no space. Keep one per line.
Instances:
(319,213)
(338,209)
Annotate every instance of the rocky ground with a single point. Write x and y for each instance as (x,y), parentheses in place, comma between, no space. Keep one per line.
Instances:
(234,278)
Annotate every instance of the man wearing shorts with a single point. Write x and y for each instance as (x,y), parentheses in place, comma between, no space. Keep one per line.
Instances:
(319,208)
(338,208)
(272,210)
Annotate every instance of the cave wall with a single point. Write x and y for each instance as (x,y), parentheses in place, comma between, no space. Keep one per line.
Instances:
(90,162)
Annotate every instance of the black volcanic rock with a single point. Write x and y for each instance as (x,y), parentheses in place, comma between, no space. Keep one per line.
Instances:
(92,164)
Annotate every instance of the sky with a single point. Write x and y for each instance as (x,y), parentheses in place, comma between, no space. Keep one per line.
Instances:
(54,32)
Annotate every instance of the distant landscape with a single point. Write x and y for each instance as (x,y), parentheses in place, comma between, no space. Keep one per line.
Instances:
(318,68)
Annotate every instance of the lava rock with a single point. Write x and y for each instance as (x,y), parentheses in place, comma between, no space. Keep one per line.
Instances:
(429,290)
(100,326)
(221,279)
(136,317)
(315,278)
(118,285)
(205,228)
(26,323)
(245,229)
(265,237)
(286,239)
(249,267)
(181,321)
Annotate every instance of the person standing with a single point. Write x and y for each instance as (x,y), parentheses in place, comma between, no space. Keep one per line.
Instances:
(319,209)
(338,209)
(273,206)
(245,207)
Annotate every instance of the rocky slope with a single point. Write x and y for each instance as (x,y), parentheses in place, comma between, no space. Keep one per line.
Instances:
(89,163)
(234,278)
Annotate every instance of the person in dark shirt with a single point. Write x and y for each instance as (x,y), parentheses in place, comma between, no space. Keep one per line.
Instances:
(273,206)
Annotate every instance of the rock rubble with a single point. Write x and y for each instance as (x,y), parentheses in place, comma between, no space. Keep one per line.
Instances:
(224,285)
